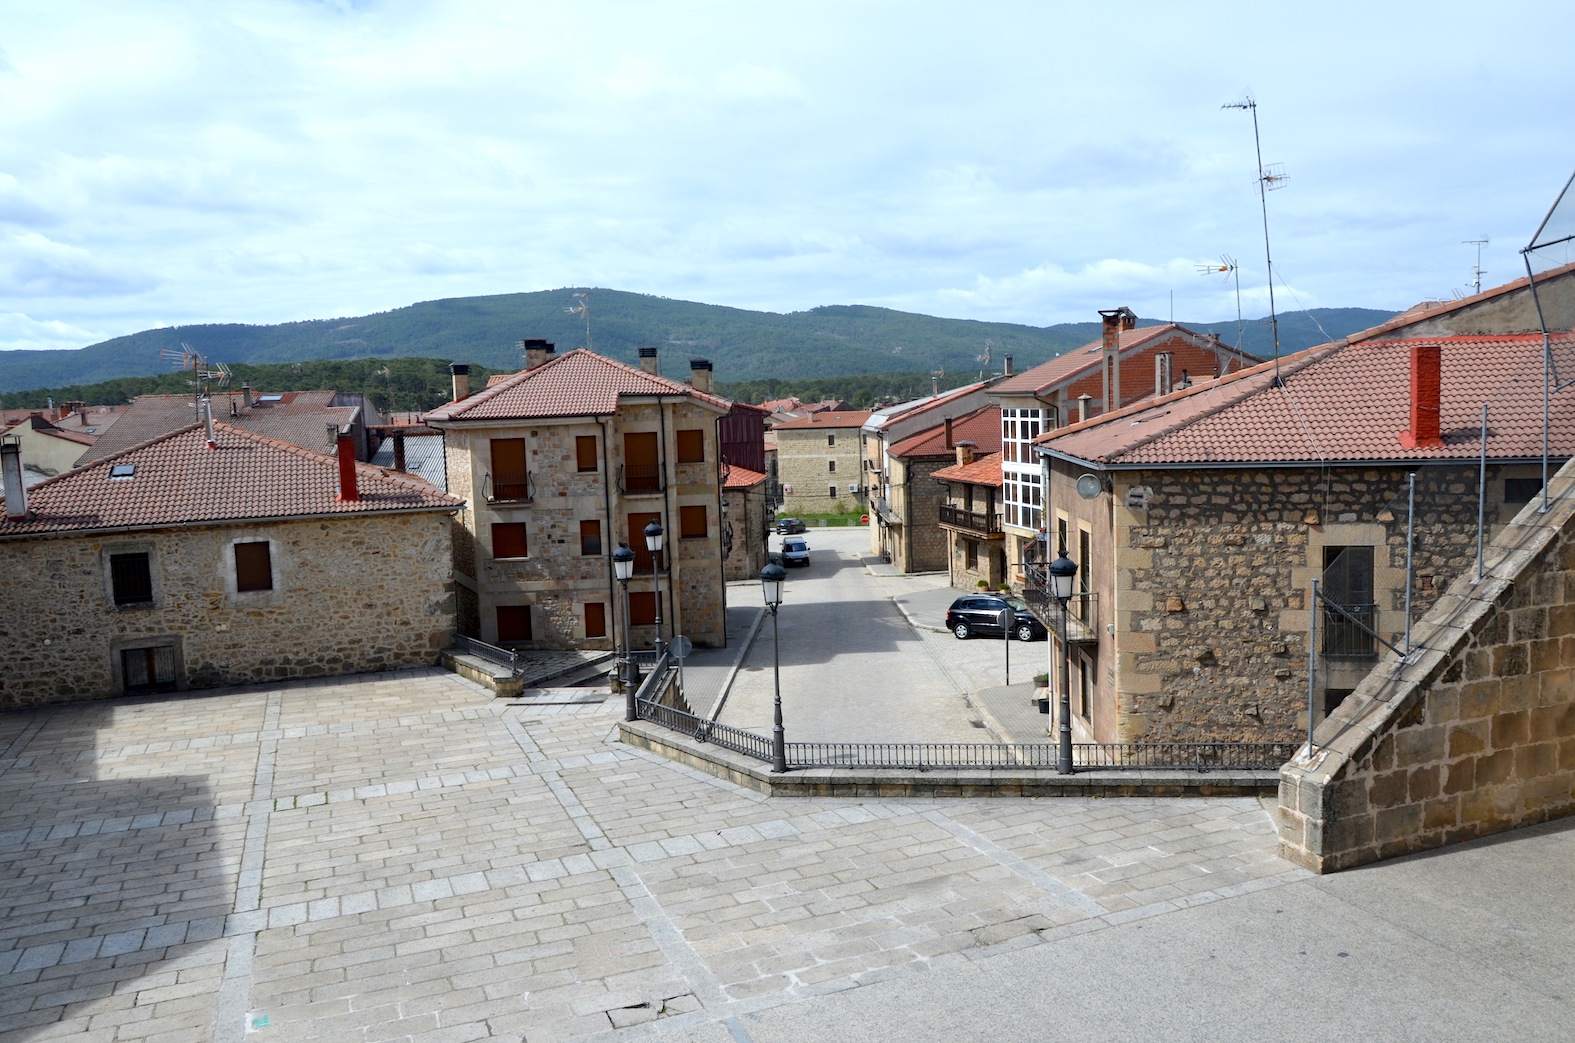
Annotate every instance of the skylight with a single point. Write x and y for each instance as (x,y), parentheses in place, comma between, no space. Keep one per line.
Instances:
(123,471)
(270,398)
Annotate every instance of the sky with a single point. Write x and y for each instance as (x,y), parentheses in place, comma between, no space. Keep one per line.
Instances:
(165,162)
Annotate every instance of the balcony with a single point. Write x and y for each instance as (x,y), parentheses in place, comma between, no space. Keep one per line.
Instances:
(508,487)
(640,478)
(975,523)
(881,508)
(1082,610)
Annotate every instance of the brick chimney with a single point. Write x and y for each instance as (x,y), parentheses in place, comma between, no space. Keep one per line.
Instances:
(15,488)
(649,362)
(345,450)
(700,376)
(538,352)
(460,372)
(949,442)
(1426,390)
(1112,322)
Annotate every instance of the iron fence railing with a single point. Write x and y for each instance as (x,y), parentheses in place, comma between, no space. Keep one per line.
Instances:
(1347,630)
(924,756)
(508,487)
(640,478)
(492,653)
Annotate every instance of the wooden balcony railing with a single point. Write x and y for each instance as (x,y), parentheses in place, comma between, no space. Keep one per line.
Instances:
(976,522)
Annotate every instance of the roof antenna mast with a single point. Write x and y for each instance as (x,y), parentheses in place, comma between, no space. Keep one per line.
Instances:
(1477,272)
(583,309)
(1269,178)
(1228,265)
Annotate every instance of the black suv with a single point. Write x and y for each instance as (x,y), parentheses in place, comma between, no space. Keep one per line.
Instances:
(789,526)
(981,614)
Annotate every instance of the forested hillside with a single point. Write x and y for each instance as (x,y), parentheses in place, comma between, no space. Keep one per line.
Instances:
(743,345)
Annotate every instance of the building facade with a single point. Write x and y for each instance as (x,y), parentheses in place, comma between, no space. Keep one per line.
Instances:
(818,463)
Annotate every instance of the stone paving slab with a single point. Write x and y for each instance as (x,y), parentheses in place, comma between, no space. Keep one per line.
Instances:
(406,857)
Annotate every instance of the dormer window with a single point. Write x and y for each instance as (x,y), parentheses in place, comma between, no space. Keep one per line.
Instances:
(122,471)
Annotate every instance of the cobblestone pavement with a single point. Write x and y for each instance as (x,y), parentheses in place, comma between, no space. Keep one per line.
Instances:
(404,857)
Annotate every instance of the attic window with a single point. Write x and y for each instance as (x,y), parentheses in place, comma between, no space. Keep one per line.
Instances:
(123,471)
(270,398)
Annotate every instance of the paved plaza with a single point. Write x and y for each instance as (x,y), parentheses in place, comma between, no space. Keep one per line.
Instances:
(405,857)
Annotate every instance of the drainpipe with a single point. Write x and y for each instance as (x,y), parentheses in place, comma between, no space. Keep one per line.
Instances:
(609,532)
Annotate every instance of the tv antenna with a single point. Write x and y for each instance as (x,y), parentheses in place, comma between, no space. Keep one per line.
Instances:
(583,309)
(1476,272)
(1269,179)
(1228,266)
(985,358)
(205,374)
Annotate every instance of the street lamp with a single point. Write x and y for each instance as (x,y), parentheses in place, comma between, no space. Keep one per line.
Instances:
(771,578)
(1063,571)
(623,568)
(653,543)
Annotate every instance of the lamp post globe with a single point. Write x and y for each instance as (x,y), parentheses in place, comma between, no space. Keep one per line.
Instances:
(654,538)
(623,569)
(771,578)
(1063,572)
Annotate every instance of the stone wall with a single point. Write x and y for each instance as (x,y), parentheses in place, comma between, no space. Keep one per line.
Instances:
(1475,735)
(803,460)
(351,594)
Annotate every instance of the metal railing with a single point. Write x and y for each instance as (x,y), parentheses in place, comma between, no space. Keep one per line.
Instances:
(508,487)
(1347,630)
(492,653)
(640,478)
(973,521)
(925,756)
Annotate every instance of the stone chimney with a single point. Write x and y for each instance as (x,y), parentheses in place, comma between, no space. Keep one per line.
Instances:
(1082,407)
(1426,391)
(15,489)
(538,352)
(460,371)
(700,376)
(345,450)
(1112,322)
(964,453)
(649,362)
(1006,366)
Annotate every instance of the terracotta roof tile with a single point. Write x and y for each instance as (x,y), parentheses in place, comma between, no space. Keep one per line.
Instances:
(1337,403)
(578,383)
(830,418)
(298,417)
(982,427)
(178,480)
(1079,361)
(743,478)
(985,470)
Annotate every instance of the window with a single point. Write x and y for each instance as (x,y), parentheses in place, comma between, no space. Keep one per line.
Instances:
(641,471)
(637,524)
(642,608)
(253,567)
(585,452)
(148,669)
(509,481)
(971,550)
(591,537)
(514,623)
(691,446)
(831,440)
(123,470)
(1521,490)
(595,619)
(131,578)
(831,467)
(508,539)
(1348,584)
(831,491)
(691,521)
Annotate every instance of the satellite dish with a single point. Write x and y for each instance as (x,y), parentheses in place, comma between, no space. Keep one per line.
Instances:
(1089,486)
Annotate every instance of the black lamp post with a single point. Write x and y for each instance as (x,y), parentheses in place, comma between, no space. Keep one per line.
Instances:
(653,543)
(1063,571)
(771,578)
(623,568)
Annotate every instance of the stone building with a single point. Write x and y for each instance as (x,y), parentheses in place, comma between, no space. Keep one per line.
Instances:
(912,537)
(1199,521)
(970,516)
(1127,363)
(818,462)
(52,440)
(746,523)
(198,560)
(563,461)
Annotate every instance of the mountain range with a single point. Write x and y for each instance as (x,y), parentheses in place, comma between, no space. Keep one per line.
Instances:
(742,345)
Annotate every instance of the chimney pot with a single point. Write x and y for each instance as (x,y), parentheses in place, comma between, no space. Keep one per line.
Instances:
(700,375)
(649,362)
(538,351)
(460,372)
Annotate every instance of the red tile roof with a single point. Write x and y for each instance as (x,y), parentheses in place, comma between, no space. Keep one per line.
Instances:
(985,470)
(982,427)
(742,478)
(245,477)
(577,383)
(830,418)
(1338,403)
(1079,361)
(918,407)
(299,417)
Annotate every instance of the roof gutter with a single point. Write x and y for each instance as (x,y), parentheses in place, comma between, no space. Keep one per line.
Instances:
(1225,465)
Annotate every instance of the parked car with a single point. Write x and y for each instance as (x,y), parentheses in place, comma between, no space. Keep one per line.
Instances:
(789,526)
(795,551)
(981,614)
